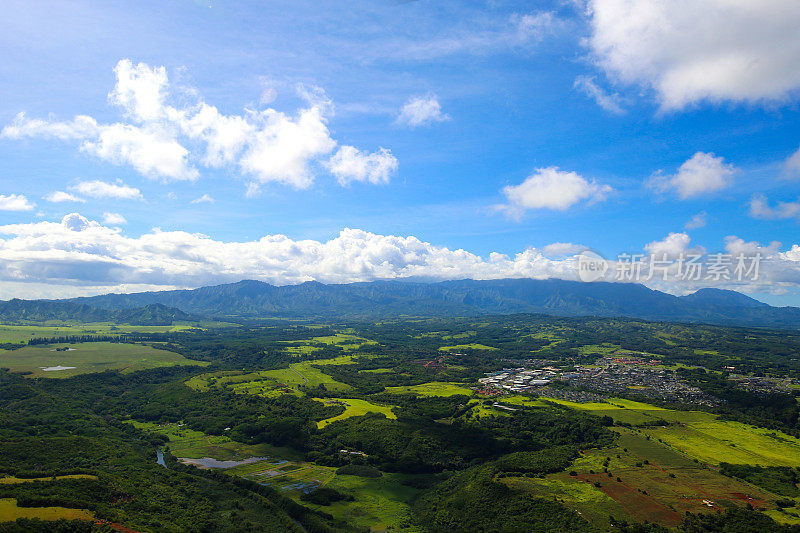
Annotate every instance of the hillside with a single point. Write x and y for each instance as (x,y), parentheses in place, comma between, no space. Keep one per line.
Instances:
(455,298)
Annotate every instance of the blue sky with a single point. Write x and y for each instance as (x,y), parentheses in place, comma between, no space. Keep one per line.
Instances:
(492,127)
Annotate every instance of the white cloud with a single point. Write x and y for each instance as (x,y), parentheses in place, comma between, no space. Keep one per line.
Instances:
(608,101)
(80,256)
(792,164)
(102,189)
(78,252)
(702,174)
(15,202)
(697,221)
(114,219)
(205,199)
(140,90)
(673,245)
(737,246)
(167,143)
(421,111)
(349,164)
(760,208)
(61,196)
(689,51)
(551,188)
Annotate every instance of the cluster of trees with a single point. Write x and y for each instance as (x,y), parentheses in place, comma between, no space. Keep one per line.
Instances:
(131,489)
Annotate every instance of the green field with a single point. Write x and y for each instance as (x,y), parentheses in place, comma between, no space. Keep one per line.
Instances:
(354,407)
(274,382)
(89,357)
(471,346)
(716,441)
(656,483)
(348,343)
(702,435)
(381,504)
(23,333)
(185,442)
(434,388)
(10,512)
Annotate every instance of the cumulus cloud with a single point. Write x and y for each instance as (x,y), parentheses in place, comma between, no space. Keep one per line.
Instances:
(81,252)
(114,219)
(15,202)
(102,189)
(349,164)
(62,196)
(611,102)
(673,245)
(697,221)
(551,188)
(79,256)
(760,208)
(702,174)
(168,143)
(421,111)
(691,51)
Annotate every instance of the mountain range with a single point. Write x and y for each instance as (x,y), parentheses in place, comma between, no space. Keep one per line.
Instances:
(386,299)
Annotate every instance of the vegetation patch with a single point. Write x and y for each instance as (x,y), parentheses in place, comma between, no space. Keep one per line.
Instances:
(471,346)
(10,511)
(433,388)
(354,407)
(87,357)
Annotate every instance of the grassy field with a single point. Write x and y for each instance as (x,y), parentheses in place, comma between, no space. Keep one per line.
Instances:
(702,435)
(274,382)
(434,388)
(471,346)
(715,441)
(185,442)
(647,481)
(10,512)
(89,357)
(354,407)
(348,343)
(11,480)
(381,504)
(22,333)
(591,503)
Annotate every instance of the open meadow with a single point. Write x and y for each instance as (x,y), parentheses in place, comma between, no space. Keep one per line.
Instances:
(9,511)
(433,388)
(16,333)
(66,360)
(354,407)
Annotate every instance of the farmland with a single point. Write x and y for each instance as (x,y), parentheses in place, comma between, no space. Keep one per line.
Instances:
(642,479)
(88,357)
